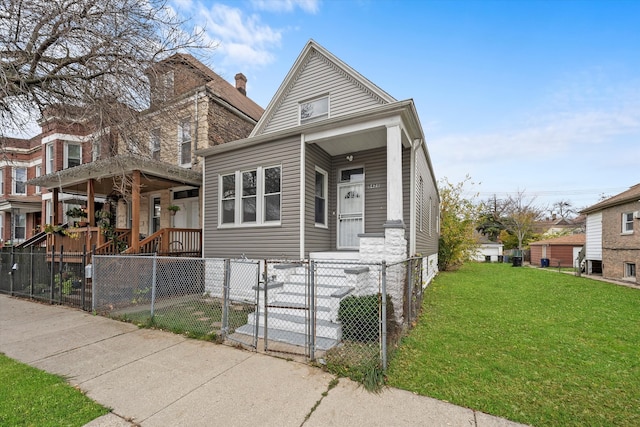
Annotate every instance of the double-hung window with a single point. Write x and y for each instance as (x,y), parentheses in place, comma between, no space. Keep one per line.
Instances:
(251,197)
(49,168)
(184,142)
(1,185)
(72,155)
(314,110)
(38,174)
(20,226)
(19,180)
(321,198)
(629,270)
(627,223)
(154,143)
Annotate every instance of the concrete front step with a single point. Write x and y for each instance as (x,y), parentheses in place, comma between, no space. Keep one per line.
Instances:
(323,313)
(320,279)
(287,337)
(321,289)
(297,323)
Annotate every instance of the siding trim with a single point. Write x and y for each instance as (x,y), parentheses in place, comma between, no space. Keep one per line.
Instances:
(303,181)
(412,200)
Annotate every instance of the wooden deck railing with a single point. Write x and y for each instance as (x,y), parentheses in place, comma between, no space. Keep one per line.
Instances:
(172,241)
(168,241)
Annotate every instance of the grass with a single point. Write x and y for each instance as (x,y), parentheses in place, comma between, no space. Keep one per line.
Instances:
(30,397)
(199,318)
(536,347)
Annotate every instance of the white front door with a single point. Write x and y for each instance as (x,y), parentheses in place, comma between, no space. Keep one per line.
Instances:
(350,214)
(187,216)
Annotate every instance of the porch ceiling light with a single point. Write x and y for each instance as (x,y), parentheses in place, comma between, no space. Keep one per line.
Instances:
(350,158)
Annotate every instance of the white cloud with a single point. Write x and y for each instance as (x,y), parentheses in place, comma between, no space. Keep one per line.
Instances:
(310,6)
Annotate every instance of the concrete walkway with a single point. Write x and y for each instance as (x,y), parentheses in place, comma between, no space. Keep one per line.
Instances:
(154,378)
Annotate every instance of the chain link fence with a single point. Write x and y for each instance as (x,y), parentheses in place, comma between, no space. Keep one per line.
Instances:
(347,315)
(200,298)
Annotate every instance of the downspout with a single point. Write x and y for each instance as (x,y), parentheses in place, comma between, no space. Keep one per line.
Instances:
(302,194)
(412,195)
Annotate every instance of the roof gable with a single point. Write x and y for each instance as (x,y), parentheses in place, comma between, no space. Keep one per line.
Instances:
(631,195)
(317,73)
(218,86)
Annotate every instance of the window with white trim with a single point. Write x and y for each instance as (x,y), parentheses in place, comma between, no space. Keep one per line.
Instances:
(627,223)
(19,180)
(184,142)
(629,270)
(72,155)
(48,212)
(259,202)
(20,226)
(321,198)
(1,227)
(1,183)
(38,174)
(49,167)
(314,110)
(154,143)
(96,149)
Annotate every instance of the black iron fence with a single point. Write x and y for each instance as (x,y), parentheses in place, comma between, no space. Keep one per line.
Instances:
(57,277)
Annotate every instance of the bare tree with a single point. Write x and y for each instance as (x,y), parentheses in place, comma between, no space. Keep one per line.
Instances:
(521,214)
(89,59)
(563,208)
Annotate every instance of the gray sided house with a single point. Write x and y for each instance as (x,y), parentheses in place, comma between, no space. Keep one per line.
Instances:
(336,168)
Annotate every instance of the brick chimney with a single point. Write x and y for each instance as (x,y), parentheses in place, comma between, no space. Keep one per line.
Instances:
(241,83)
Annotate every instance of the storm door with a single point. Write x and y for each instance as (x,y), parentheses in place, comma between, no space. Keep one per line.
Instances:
(350,208)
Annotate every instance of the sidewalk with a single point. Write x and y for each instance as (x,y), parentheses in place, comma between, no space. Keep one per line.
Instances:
(155,378)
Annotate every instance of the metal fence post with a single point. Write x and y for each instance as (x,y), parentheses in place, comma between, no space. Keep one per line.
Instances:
(52,275)
(12,271)
(409,293)
(383,344)
(312,310)
(153,282)
(31,272)
(256,329)
(60,274)
(84,276)
(265,276)
(225,298)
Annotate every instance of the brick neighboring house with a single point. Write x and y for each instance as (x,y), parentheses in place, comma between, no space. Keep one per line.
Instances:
(613,236)
(137,169)
(561,250)
(19,203)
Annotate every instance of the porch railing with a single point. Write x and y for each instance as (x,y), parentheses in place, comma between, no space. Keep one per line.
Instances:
(120,241)
(174,241)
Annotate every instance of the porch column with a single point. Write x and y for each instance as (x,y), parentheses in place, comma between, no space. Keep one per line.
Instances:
(394,174)
(91,203)
(55,209)
(135,211)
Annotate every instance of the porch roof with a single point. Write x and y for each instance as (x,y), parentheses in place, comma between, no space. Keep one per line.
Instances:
(155,175)
(25,204)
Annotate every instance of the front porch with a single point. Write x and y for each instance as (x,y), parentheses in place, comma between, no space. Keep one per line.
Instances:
(131,207)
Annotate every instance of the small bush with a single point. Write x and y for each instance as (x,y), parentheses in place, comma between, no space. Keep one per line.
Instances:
(359,318)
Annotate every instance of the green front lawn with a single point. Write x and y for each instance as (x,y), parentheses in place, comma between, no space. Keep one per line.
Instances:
(537,347)
(30,397)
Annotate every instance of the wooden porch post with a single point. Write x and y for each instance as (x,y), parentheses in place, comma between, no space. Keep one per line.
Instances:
(55,210)
(135,211)
(91,217)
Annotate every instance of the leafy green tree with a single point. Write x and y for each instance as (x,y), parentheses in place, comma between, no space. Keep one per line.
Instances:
(521,215)
(458,214)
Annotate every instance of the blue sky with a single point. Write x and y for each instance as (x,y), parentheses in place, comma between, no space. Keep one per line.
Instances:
(536,96)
